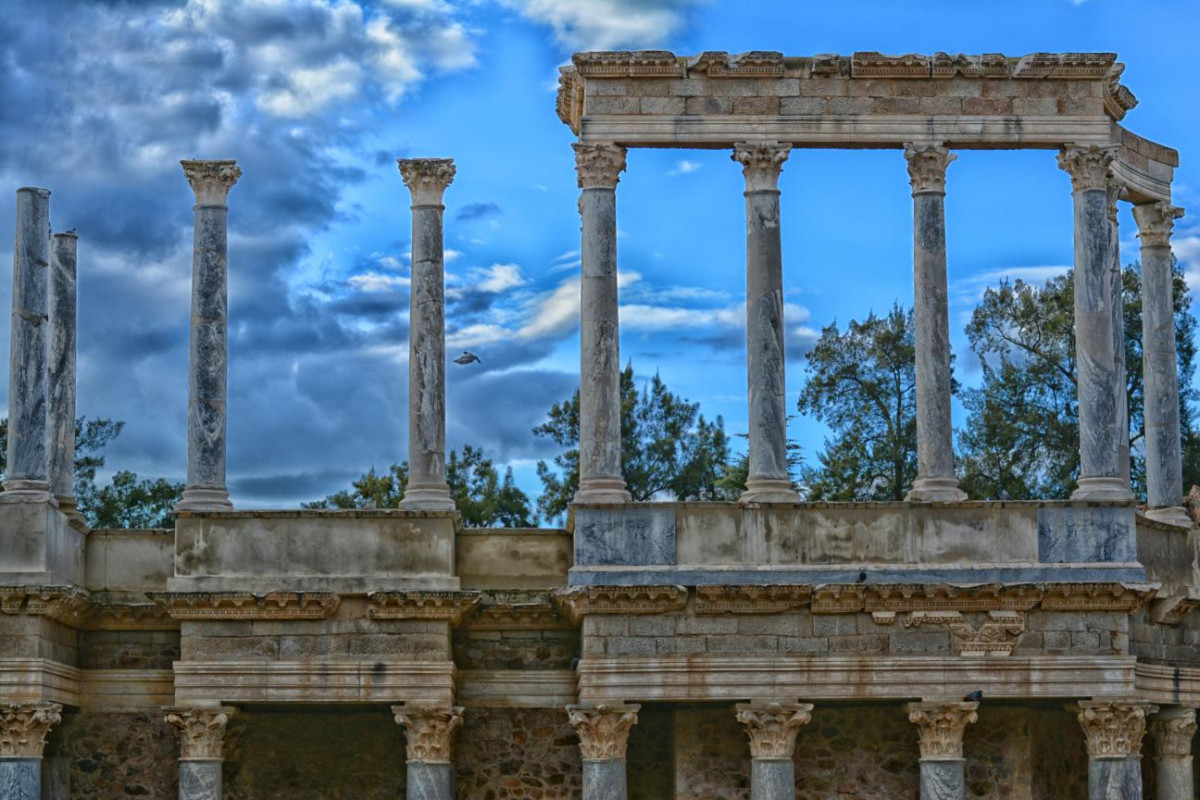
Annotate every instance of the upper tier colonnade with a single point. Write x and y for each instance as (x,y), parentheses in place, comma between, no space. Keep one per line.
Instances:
(761,105)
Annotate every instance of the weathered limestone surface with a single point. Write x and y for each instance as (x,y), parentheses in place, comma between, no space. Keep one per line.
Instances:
(428,733)
(603,739)
(23,731)
(772,729)
(940,726)
(201,745)
(62,369)
(1114,743)
(1173,730)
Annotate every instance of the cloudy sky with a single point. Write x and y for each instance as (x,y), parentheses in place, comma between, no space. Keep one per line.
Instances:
(317,98)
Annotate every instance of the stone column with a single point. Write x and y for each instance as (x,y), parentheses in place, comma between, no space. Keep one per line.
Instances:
(201,738)
(429,732)
(1099,442)
(23,729)
(603,734)
(599,167)
(1114,732)
(1172,730)
(940,726)
(28,472)
(767,480)
(772,729)
(1164,478)
(62,369)
(931,315)
(427,179)
(1115,191)
(208,354)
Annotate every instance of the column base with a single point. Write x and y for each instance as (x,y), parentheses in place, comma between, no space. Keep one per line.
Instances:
(26,491)
(768,490)
(1171,515)
(1102,488)
(204,499)
(935,490)
(602,491)
(427,498)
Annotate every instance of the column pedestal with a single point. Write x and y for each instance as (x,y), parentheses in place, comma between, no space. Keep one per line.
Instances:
(201,739)
(429,733)
(940,726)
(603,735)
(1172,730)
(772,729)
(23,730)
(1114,733)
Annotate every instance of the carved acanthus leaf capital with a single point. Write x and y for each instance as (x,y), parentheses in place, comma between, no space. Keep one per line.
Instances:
(940,727)
(201,731)
(599,165)
(211,180)
(1155,222)
(429,730)
(1087,166)
(772,727)
(426,178)
(1114,730)
(927,167)
(603,730)
(1116,191)
(761,163)
(24,726)
(1173,730)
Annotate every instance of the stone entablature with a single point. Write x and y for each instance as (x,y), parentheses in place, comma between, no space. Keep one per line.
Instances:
(195,606)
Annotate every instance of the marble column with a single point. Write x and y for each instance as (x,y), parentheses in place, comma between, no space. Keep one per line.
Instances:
(62,369)
(1164,477)
(935,448)
(56,778)
(1099,440)
(429,734)
(23,729)
(1172,730)
(1114,732)
(28,471)
(201,739)
(208,354)
(940,725)
(1114,192)
(599,167)
(768,480)
(772,729)
(603,735)
(427,179)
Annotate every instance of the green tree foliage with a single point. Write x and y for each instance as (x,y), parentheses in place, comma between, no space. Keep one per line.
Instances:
(484,497)
(1021,438)
(667,448)
(862,384)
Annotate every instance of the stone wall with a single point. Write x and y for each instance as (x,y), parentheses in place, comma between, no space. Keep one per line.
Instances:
(1177,645)
(128,649)
(329,638)
(504,753)
(118,756)
(515,649)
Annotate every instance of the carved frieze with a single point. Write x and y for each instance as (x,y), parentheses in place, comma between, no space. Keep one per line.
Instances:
(1113,729)
(940,726)
(997,636)
(603,730)
(516,611)
(902,597)
(1172,610)
(626,64)
(751,599)
(578,603)
(838,599)
(201,731)
(129,617)
(444,606)
(870,64)
(1118,100)
(569,104)
(200,606)
(988,65)
(1087,166)
(1064,66)
(63,604)
(754,64)
(1172,730)
(1094,597)
(772,727)
(24,726)
(428,730)
(826,65)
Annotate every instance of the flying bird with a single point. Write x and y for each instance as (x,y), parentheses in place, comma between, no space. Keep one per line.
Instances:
(467,358)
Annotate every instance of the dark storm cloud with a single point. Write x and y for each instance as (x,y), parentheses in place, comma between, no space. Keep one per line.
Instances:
(474,211)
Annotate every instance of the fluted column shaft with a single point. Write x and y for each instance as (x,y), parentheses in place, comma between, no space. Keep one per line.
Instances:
(208,357)
(935,448)
(767,480)
(1114,732)
(23,731)
(429,734)
(603,737)
(599,167)
(1100,476)
(427,179)
(940,726)
(201,741)
(772,729)
(1172,730)
(1164,469)
(28,470)
(62,369)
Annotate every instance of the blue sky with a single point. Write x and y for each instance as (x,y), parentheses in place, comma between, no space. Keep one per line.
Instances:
(316,99)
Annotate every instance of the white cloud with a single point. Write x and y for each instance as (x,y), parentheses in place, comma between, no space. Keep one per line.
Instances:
(498,278)
(309,90)
(378,282)
(684,167)
(607,24)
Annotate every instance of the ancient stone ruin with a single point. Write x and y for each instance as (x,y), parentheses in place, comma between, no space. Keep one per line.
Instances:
(940,647)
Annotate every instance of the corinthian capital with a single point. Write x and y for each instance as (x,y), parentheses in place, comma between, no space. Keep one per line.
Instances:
(1113,730)
(211,180)
(927,167)
(426,178)
(599,166)
(761,163)
(428,730)
(23,728)
(1116,191)
(1087,166)
(940,727)
(1155,222)
(603,730)
(772,727)
(201,731)
(1173,729)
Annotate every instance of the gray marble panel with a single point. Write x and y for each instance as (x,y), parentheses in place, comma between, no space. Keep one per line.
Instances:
(20,778)
(1115,778)
(1073,535)
(430,781)
(56,778)
(942,780)
(604,780)
(624,536)
(200,780)
(772,779)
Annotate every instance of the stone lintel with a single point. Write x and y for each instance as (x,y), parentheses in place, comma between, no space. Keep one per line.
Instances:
(429,605)
(201,606)
(65,604)
(578,603)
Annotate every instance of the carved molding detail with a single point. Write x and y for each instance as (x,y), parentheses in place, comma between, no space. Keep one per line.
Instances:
(869,64)
(428,730)
(63,604)
(996,636)
(1173,729)
(603,730)
(940,726)
(201,731)
(430,605)
(211,180)
(569,103)
(1087,166)
(1094,597)
(1155,222)
(902,597)
(1065,66)
(627,64)
(129,617)
(1118,100)
(199,606)
(578,603)
(751,599)
(927,167)
(753,64)
(24,727)
(599,166)
(516,611)
(1113,729)
(761,164)
(1172,610)
(427,178)
(988,65)
(838,599)
(772,727)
